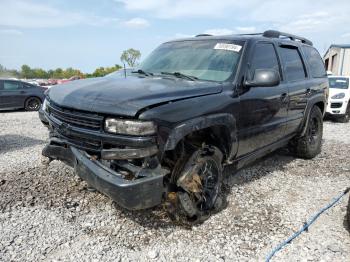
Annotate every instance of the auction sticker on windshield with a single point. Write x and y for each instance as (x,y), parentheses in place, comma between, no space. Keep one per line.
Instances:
(228,47)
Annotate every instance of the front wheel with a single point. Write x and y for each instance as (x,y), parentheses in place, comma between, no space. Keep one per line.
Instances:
(198,186)
(32,104)
(309,145)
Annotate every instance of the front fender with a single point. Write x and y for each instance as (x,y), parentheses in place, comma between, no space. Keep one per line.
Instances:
(189,126)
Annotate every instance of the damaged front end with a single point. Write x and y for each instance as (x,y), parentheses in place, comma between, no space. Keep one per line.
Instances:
(124,167)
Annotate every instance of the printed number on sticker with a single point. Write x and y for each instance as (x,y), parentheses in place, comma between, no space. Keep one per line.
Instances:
(228,47)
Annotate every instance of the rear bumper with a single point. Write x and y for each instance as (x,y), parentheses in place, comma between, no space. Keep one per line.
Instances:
(134,194)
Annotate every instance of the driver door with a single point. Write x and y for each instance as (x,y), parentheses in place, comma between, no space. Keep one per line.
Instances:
(263,110)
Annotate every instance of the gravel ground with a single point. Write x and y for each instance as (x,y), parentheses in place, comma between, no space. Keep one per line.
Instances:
(47,214)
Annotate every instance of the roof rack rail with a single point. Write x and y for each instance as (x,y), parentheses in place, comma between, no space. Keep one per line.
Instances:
(203,35)
(278,34)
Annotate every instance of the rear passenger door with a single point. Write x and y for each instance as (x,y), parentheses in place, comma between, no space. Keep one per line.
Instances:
(318,81)
(12,94)
(263,110)
(295,75)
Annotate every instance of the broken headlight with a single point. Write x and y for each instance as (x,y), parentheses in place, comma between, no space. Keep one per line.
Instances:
(130,127)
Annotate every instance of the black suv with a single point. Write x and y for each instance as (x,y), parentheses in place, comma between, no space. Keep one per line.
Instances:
(194,105)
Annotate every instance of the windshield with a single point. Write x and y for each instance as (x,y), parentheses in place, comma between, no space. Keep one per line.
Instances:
(212,60)
(339,82)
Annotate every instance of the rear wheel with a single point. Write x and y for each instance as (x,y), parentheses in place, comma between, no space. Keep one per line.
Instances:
(346,117)
(309,145)
(32,104)
(198,187)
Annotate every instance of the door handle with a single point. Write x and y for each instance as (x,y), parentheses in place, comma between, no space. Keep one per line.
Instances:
(284,97)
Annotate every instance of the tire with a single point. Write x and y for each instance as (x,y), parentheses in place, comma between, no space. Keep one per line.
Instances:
(309,145)
(346,117)
(198,186)
(32,104)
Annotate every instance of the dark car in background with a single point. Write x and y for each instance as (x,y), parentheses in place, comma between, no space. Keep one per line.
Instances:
(15,94)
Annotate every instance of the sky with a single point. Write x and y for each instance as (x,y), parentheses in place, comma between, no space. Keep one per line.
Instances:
(86,34)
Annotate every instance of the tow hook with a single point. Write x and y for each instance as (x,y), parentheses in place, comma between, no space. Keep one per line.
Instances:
(45,161)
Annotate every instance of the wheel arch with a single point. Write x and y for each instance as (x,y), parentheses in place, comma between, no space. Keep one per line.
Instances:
(217,129)
(318,101)
(321,105)
(29,97)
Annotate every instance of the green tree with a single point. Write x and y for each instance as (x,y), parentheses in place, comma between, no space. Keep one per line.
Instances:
(39,73)
(50,73)
(130,56)
(102,71)
(57,73)
(26,72)
(99,72)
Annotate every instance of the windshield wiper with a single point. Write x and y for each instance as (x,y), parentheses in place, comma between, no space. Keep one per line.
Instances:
(180,75)
(140,71)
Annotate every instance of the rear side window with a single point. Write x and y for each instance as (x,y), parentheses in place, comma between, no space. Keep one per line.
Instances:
(27,86)
(292,64)
(315,62)
(10,85)
(264,57)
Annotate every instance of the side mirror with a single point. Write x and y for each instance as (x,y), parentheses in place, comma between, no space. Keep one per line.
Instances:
(264,77)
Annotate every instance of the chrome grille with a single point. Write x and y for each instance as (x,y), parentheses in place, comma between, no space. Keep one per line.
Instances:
(76,118)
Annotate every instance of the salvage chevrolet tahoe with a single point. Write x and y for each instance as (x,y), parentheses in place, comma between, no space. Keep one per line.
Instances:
(164,134)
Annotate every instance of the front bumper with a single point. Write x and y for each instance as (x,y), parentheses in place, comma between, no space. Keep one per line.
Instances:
(42,117)
(108,146)
(134,194)
(336,107)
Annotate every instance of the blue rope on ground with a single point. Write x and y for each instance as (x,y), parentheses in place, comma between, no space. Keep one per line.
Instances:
(305,226)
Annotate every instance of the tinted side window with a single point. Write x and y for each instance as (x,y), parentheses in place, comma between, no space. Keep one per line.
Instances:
(264,57)
(11,85)
(1,84)
(292,63)
(313,58)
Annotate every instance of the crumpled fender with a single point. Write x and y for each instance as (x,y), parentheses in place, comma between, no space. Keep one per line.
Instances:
(195,124)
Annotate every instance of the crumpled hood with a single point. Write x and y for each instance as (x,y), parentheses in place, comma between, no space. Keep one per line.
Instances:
(126,96)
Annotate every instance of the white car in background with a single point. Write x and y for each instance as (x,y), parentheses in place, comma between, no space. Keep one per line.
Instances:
(339,98)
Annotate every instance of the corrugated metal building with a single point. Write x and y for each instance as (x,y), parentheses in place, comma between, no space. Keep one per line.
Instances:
(337,59)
